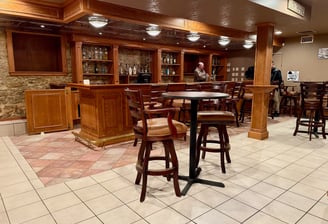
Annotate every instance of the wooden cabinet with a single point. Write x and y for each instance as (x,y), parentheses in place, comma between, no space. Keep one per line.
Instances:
(50,110)
(97,64)
(93,62)
(171,70)
(135,64)
(105,117)
(218,68)
(110,61)
(36,54)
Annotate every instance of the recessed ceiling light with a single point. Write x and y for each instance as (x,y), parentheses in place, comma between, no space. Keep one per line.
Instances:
(42,26)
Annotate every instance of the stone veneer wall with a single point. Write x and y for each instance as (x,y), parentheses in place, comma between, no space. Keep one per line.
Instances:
(12,104)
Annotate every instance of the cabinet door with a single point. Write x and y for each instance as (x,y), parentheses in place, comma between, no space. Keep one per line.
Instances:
(46,110)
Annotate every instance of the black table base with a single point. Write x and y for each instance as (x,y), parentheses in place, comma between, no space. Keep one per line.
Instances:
(191,181)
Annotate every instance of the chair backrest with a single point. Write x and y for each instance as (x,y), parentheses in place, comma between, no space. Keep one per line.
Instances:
(156,95)
(312,92)
(230,88)
(136,107)
(238,90)
(219,87)
(244,89)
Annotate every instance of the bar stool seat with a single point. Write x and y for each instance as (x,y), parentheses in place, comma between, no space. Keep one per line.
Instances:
(219,120)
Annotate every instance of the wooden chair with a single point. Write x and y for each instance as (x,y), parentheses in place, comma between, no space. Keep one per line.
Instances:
(311,113)
(150,128)
(184,105)
(218,120)
(247,99)
(230,103)
(289,100)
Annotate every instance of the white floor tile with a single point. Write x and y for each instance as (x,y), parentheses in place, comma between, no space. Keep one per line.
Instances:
(262,218)
(191,207)
(214,217)
(237,210)
(283,212)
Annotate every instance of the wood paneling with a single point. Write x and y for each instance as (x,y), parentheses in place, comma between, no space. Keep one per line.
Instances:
(46,110)
(105,118)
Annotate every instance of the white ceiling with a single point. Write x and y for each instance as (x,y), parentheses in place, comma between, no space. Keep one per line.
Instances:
(240,14)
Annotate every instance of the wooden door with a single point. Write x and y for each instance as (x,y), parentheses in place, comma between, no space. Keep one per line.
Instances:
(46,110)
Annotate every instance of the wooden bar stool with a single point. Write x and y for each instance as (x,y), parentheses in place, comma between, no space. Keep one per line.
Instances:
(150,128)
(219,120)
(311,114)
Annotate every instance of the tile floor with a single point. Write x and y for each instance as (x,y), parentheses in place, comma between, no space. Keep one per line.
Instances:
(283,179)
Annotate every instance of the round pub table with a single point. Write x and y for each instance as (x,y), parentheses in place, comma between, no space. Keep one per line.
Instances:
(194,97)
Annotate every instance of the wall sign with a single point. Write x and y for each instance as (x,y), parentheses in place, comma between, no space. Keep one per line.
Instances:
(293,75)
(323,53)
(296,7)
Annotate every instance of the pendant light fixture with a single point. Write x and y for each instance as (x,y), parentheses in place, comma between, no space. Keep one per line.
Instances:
(98,21)
(248,44)
(224,41)
(193,36)
(153,30)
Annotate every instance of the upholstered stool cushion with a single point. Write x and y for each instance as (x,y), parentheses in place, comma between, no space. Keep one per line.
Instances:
(248,96)
(159,127)
(216,116)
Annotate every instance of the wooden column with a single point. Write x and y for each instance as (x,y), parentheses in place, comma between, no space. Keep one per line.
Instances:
(261,88)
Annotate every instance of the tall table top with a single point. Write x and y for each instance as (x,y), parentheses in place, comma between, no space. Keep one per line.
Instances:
(194,95)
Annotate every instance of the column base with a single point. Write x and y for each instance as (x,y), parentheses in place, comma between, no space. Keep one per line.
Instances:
(258,134)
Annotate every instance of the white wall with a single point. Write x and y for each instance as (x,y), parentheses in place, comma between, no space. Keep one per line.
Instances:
(304,58)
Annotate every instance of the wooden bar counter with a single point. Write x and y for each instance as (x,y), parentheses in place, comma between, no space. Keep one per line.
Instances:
(105,118)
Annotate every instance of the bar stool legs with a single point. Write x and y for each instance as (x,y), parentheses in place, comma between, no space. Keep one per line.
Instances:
(218,120)
(143,170)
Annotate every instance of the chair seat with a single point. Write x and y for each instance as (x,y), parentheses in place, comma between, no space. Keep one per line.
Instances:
(159,127)
(215,116)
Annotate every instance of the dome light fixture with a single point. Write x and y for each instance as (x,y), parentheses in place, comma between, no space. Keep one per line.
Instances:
(193,36)
(98,21)
(224,41)
(278,32)
(153,30)
(248,44)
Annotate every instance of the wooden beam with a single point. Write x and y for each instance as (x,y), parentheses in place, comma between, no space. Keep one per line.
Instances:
(31,10)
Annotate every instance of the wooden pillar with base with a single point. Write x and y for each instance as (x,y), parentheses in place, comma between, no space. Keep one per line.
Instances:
(261,88)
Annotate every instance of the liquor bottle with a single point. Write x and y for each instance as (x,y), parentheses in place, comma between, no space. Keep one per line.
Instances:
(96,68)
(89,52)
(84,53)
(105,55)
(130,70)
(134,70)
(174,60)
(121,69)
(171,59)
(100,53)
(126,69)
(96,56)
